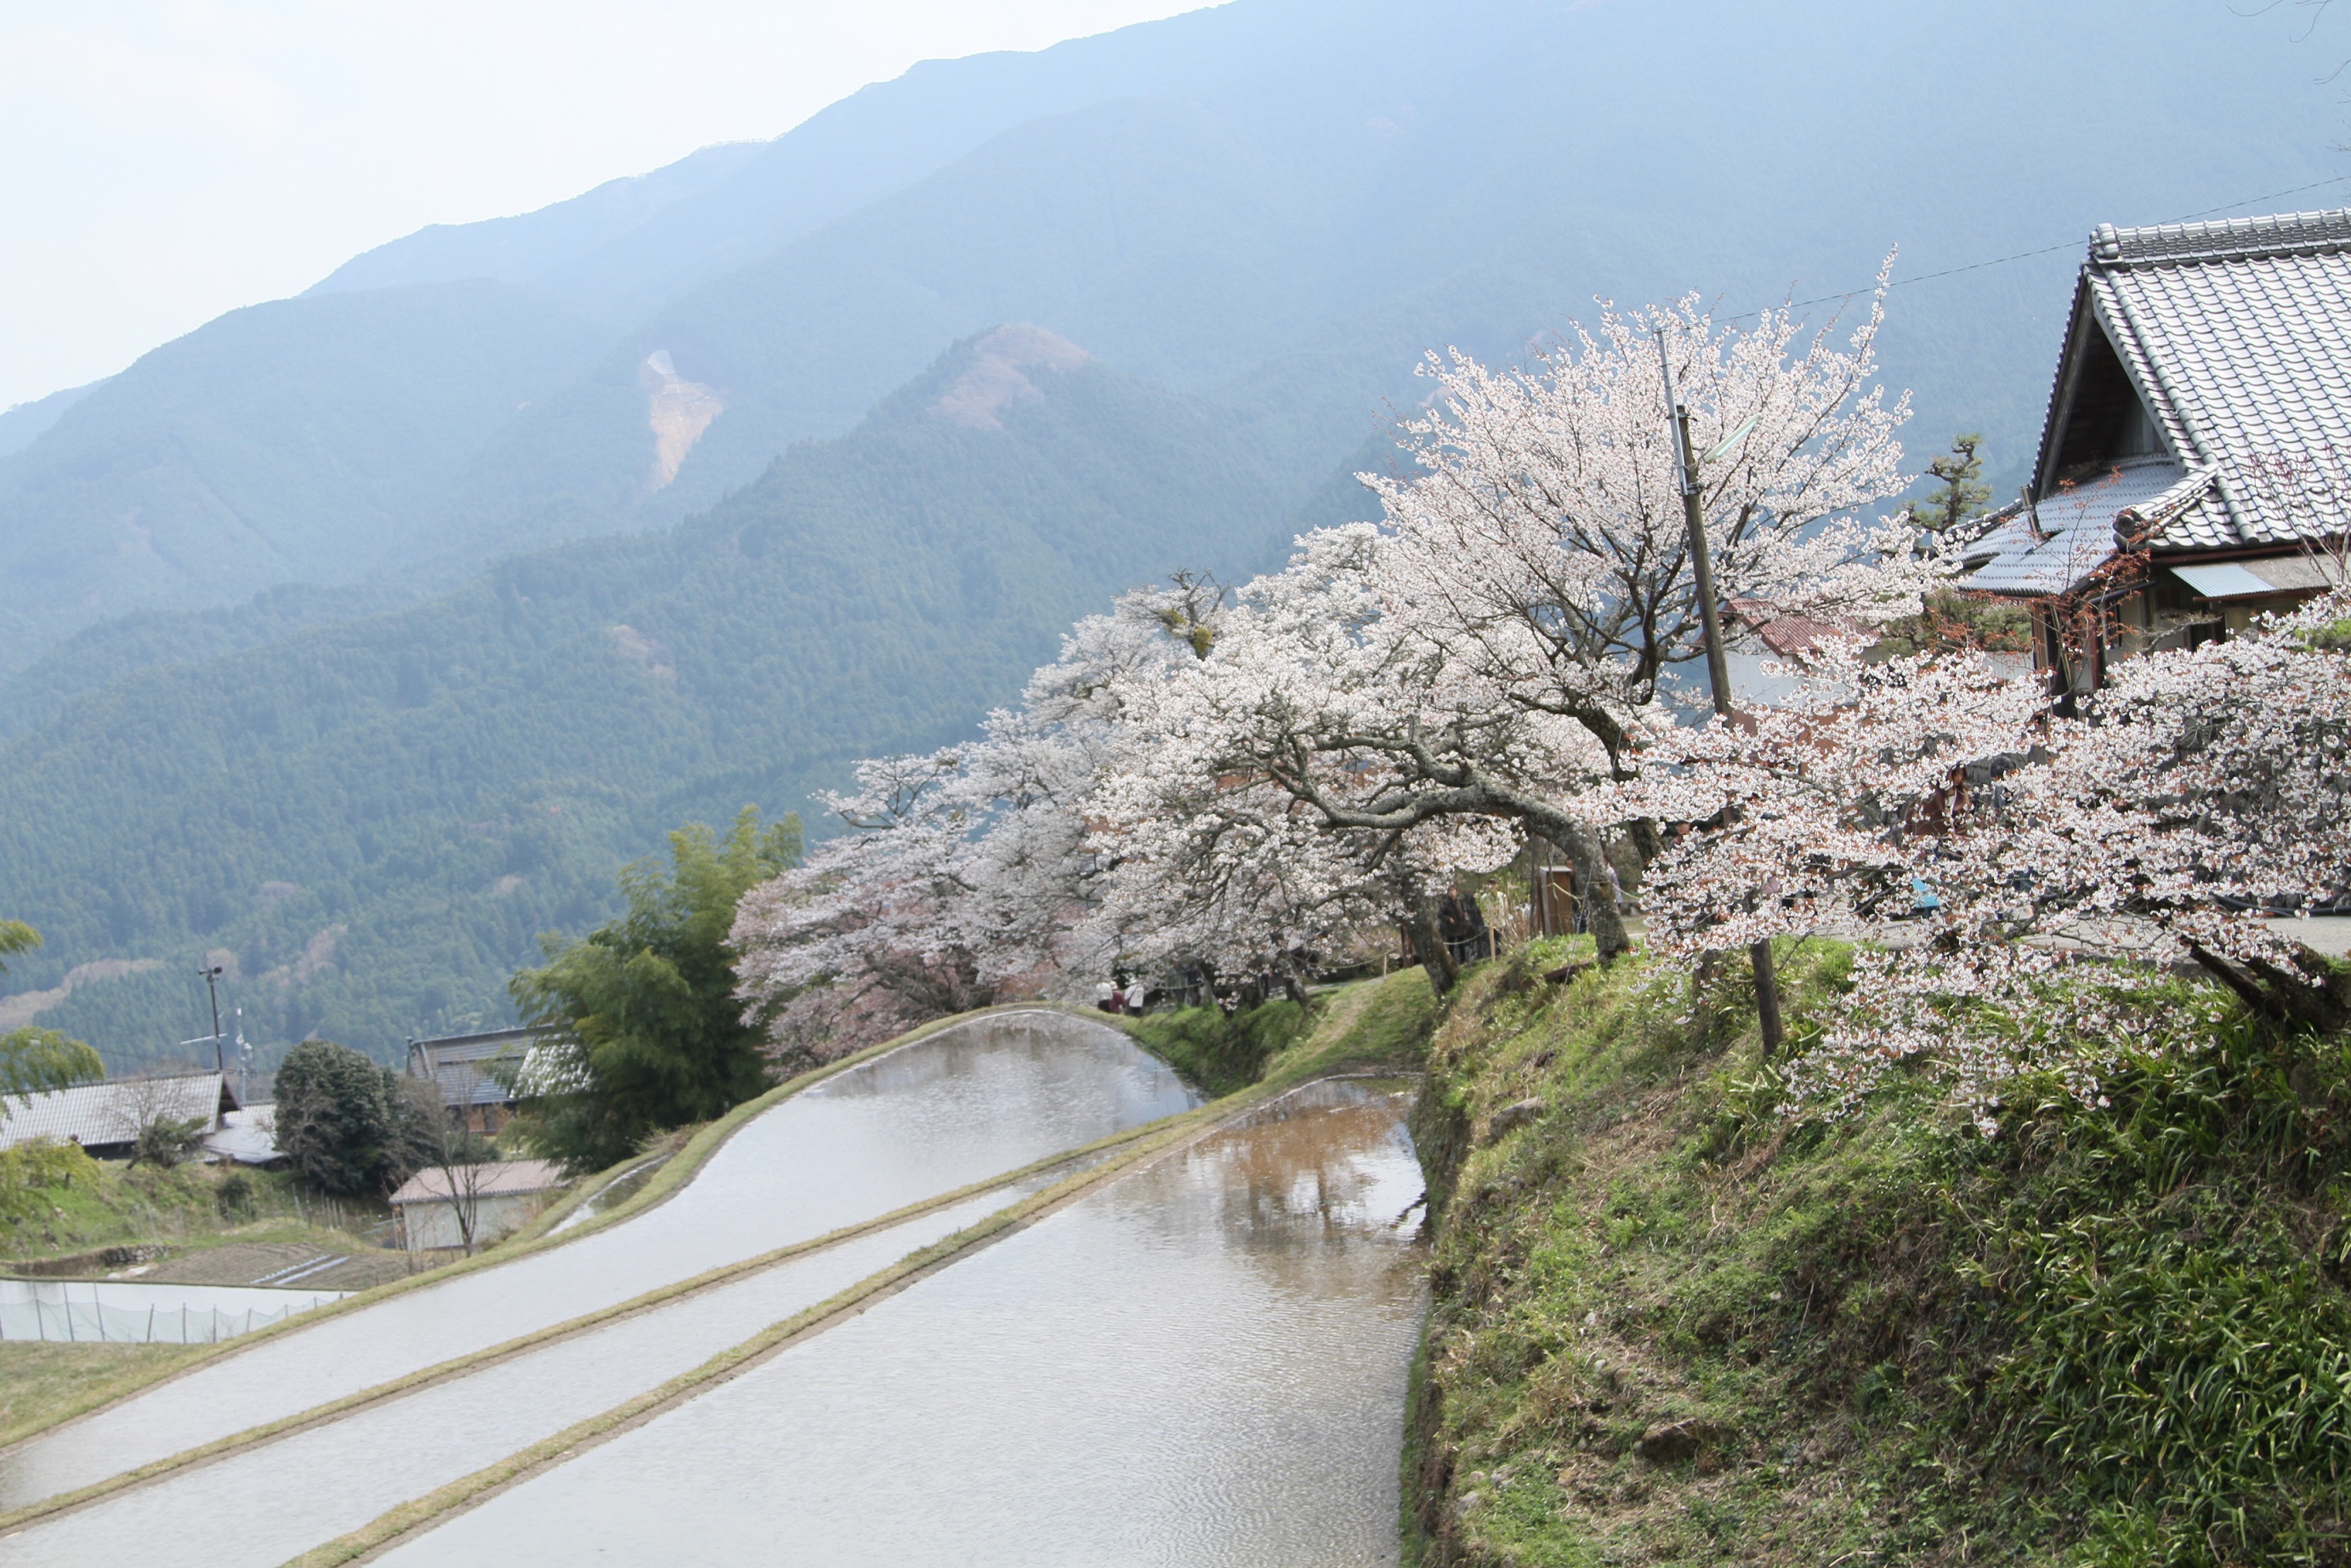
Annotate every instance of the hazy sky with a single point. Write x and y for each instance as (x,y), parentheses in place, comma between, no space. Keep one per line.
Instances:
(167,161)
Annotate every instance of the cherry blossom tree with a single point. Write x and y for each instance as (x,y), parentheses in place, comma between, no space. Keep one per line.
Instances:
(1542,542)
(964,873)
(1498,647)
(1241,785)
(1315,770)
(2019,880)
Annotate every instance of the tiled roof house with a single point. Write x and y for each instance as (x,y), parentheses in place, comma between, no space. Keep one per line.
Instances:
(479,1074)
(105,1118)
(2196,456)
(473,1071)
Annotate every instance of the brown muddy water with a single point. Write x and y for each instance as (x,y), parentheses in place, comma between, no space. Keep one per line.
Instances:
(1202,1363)
(948,1111)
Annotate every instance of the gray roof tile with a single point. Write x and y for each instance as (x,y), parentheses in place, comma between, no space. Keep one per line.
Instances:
(2053,547)
(108,1113)
(2240,335)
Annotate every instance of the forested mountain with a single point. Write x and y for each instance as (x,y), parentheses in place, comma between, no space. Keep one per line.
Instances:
(1281,202)
(21,425)
(370,822)
(288,441)
(232,715)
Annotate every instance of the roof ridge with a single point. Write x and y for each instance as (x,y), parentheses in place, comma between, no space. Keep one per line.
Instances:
(2222,239)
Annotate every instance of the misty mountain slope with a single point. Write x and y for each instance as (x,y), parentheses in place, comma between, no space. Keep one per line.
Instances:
(1281,204)
(285,441)
(527,247)
(633,245)
(20,425)
(1479,175)
(373,820)
(98,655)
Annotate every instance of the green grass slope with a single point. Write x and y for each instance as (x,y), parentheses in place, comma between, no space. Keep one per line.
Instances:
(372,820)
(1669,1325)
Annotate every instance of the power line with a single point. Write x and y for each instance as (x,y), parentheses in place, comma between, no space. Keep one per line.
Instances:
(2022,255)
(2272,196)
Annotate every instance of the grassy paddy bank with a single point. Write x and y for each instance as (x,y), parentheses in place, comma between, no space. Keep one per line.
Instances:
(1670,1325)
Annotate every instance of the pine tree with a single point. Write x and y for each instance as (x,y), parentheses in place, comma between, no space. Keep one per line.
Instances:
(1959,473)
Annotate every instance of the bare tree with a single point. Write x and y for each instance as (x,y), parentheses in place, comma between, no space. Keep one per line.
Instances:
(432,1137)
(143,1116)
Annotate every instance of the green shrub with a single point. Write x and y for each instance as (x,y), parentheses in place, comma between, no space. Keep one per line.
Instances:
(648,1002)
(2170,1327)
(235,1194)
(43,1164)
(168,1139)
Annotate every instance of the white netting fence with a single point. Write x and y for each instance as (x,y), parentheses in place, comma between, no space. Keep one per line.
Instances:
(78,1311)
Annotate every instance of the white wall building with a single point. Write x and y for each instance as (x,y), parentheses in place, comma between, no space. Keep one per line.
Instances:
(500,1195)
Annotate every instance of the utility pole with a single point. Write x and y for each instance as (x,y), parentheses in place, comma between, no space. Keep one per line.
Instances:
(1718,669)
(211,974)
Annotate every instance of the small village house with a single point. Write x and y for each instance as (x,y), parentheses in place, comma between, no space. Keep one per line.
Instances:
(475,1073)
(106,1117)
(498,1196)
(2195,462)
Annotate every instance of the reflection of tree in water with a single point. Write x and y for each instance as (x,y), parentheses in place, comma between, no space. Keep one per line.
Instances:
(1295,1194)
(965,1051)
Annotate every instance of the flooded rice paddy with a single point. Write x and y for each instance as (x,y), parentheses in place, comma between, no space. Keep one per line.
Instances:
(1202,1362)
(955,1108)
(259,1507)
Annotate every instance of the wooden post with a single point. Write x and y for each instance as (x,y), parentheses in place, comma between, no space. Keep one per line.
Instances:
(1718,667)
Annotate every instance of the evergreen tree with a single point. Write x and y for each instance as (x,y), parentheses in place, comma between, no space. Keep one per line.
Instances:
(654,1036)
(336,1121)
(1962,493)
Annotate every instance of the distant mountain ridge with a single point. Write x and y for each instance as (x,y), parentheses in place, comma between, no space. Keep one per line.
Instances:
(368,823)
(633,244)
(21,425)
(1285,201)
(290,442)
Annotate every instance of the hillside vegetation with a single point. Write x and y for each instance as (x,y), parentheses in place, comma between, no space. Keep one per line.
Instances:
(1670,1325)
(366,792)
(373,820)
(303,440)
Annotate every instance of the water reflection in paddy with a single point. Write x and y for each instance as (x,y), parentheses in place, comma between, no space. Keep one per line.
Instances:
(267,1504)
(955,1108)
(1201,1364)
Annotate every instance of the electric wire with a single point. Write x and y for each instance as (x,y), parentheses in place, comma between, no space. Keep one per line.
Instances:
(1853,294)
